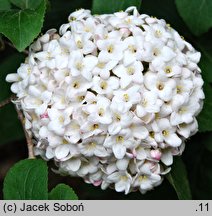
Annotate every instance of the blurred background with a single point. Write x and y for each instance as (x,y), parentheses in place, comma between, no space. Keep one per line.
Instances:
(198,151)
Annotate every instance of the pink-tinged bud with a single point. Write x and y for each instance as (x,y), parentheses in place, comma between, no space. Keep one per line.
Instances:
(125,32)
(132,154)
(98,37)
(156,154)
(97,183)
(44,115)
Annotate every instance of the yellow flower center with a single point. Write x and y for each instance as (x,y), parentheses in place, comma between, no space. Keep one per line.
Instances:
(168,69)
(94,126)
(103,85)
(79,44)
(152,134)
(157,115)
(130,70)
(141,178)
(119,139)
(123,178)
(48,56)
(65,141)
(110,48)
(179,89)
(126,97)
(29,71)
(160,86)
(101,112)
(158,33)
(91,145)
(144,102)
(61,119)
(156,52)
(182,110)
(132,48)
(165,132)
(118,117)
(81,98)
(101,65)
(71,19)
(79,66)
(76,85)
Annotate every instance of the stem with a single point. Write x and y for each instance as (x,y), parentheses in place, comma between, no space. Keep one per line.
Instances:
(28,137)
(7,101)
(11,45)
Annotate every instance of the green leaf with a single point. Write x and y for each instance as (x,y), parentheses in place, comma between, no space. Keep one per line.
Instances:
(4,5)
(26,4)
(22,26)
(111,6)
(62,192)
(26,180)
(178,179)
(205,46)
(205,117)
(196,14)
(206,65)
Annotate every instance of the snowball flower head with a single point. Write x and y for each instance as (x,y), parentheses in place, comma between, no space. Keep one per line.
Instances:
(111,98)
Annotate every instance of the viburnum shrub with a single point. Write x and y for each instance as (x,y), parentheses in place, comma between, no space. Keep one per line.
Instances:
(110,98)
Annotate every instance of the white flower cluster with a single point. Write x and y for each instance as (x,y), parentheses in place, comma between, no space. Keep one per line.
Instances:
(111,98)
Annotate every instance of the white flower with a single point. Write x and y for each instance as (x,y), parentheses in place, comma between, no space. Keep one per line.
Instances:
(119,143)
(157,53)
(149,104)
(130,74)
(122,181)
(133,51)
(66,151)
(59,99)
(146,180)
(167,157)
(99,112)
(72,132)
(82,42)
(185,113)
(112,98)
(161,85)
(93,146)
(169,69)
(102,86)
(72,164)
(59,119)
(138,130)
(111,48)
(187,130)
(80,65)
(47,57)
(103,68)
(92,128)
(26,75)
(156,32)
(122,118)
(128,97)
(77,85)
(164,132)
(88,167)
(95,178)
